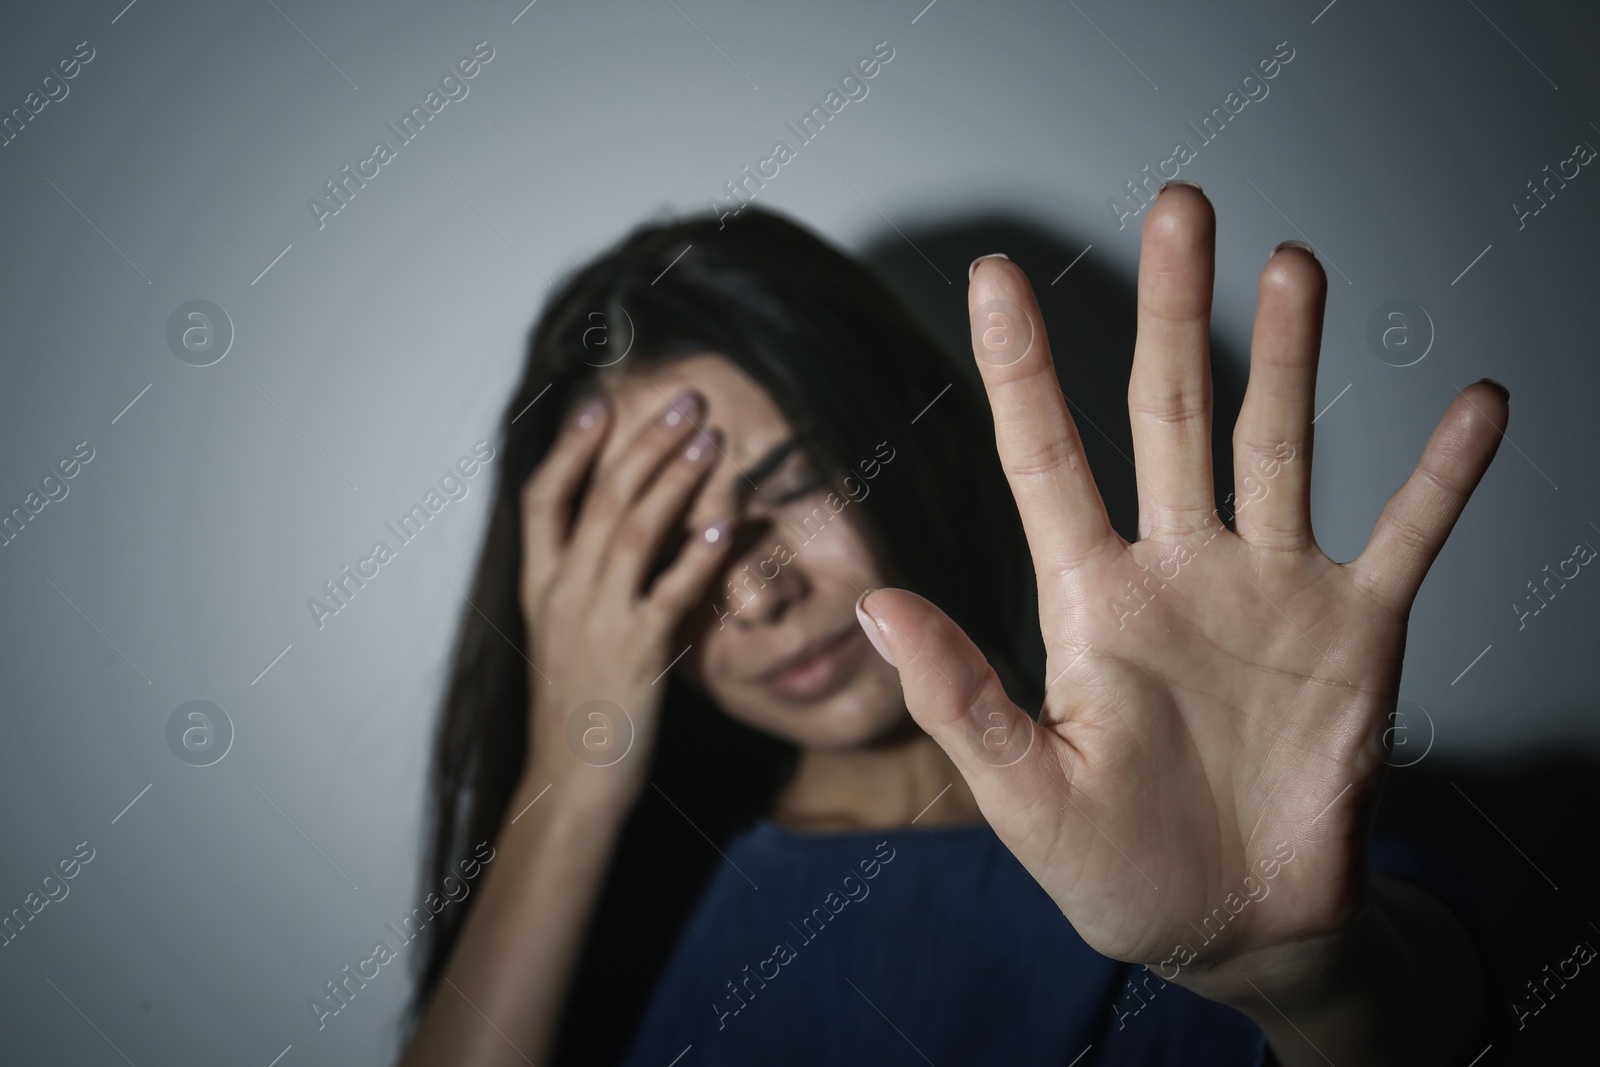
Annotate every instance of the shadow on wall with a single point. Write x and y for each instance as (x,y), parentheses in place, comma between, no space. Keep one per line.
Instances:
(1530,845)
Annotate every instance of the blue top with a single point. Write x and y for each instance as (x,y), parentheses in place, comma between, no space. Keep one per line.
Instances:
(932,945)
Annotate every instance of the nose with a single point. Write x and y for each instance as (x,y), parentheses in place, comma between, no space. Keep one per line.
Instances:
(759,590)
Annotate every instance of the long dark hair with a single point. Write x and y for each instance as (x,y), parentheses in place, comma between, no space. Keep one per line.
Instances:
(849,368)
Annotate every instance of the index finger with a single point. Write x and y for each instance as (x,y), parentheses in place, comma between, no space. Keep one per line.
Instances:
(547,494)
(1040,451)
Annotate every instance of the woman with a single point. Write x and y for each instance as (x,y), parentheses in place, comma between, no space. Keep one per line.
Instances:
(752,435)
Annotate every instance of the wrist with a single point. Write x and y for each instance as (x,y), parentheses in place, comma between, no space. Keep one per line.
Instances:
(582,794)
(1345,983)
(1398,983)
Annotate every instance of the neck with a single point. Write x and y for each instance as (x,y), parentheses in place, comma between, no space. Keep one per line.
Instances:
(890,783)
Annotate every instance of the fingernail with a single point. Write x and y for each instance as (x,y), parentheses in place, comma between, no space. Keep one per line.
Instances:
(702,444)
(874,634)
(715,532)
(974,264)
(1178,181)
(1505,394)
(588,413)
(683,406)
(1295,244)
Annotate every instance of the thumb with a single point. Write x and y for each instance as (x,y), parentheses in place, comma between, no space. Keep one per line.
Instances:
(952,691)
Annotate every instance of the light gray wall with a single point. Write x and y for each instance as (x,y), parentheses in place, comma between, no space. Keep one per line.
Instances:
(381,346)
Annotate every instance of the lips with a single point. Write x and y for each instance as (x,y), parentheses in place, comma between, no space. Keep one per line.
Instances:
(817,668)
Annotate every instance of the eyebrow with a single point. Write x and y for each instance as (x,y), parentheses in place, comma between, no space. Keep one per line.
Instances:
(765,466)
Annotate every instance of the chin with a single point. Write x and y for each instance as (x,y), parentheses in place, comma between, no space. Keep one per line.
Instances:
(851,718)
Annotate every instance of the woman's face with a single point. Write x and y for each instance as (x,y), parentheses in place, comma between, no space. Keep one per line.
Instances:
(775,641)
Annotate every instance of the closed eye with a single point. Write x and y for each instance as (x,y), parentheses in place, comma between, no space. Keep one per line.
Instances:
(809,486)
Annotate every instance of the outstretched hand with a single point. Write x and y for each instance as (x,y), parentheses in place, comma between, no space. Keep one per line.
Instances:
(1198,786)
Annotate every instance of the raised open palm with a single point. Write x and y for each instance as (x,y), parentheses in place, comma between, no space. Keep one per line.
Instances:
(1199,785)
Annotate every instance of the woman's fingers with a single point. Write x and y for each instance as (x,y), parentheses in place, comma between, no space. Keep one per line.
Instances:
(1272,439)
(1169,393)
(620,481)
(1417,519)
(1040,451)
(643,529)
(683,583)
(547,494)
